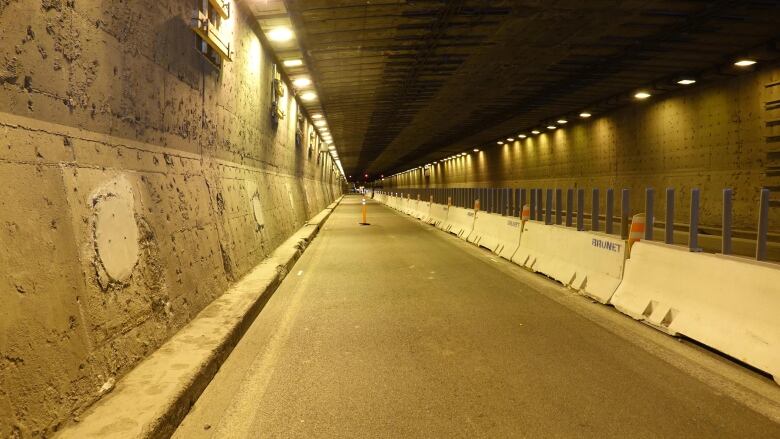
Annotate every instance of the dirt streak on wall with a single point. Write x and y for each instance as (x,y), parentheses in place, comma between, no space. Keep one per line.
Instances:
(136,183)
(709,137)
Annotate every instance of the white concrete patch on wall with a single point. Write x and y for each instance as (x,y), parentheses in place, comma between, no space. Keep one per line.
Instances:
(115,231)
(257,204)
(290,196)
(257,209)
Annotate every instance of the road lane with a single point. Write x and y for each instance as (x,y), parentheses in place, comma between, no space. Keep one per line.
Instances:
(398,330)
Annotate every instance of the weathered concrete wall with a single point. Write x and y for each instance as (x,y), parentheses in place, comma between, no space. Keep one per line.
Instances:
(710,137)
(136,183)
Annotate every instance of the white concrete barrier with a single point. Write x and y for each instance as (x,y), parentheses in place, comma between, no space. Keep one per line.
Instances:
(423,210)
(403,203)
(410,207)
(460,221)
(728,303)
(438,215)
(393,202)
(588,262)
(499,234)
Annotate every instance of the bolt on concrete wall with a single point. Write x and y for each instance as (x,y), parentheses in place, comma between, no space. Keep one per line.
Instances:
(709,137)
(136,183)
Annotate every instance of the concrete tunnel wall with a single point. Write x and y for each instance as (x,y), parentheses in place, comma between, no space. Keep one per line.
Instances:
(712,136)
(136,183)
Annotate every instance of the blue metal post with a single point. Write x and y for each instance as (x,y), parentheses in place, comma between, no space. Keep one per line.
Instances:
(693,237)
(725,246)
(669,227)
(595,211)
(580,209)
(649,219)
(763,225)
(609,216)
(625,212)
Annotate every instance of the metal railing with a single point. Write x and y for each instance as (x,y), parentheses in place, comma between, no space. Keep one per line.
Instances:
(548,205)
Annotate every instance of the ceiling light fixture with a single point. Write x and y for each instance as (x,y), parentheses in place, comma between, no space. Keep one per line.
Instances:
(511,139)
(642,95)
(280,34)
(585,115)
(309,96)
(292,62)
(744,63)
(686,81)
(319,123)
(476,149)
(302,82)
(500,142)
(563,121)
(316,116)
(551,127)
(536,132)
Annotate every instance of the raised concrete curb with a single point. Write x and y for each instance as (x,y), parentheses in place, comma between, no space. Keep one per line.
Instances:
(153,398)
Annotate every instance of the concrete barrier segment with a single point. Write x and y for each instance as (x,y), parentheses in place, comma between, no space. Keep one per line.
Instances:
(499,234)
(460,221)
(726,302)
(590,263)
(423,211)
(438,215)
(411,207)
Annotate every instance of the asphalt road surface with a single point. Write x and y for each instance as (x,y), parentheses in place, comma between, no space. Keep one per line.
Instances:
(397,329)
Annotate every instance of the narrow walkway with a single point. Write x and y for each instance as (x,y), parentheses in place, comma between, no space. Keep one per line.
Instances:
(398,330)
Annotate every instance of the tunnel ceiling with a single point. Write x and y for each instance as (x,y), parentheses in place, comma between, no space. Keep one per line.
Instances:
(403,83)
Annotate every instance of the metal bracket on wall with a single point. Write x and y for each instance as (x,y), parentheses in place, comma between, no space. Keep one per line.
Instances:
(221,7)
(206,26)
(277,92)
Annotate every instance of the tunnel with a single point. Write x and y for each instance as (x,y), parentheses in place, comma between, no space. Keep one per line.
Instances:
(389,218)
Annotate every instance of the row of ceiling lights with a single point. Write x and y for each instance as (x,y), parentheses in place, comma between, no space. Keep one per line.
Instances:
(639,95)
(305,87)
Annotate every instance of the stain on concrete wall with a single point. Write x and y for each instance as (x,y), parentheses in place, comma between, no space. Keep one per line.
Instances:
(709,137)
(136,183)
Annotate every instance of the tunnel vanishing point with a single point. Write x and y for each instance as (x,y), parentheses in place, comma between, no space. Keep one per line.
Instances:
(407,218)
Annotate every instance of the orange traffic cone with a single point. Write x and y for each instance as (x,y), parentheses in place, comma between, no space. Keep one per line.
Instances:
(364,222)
(525,215)
(637,231)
